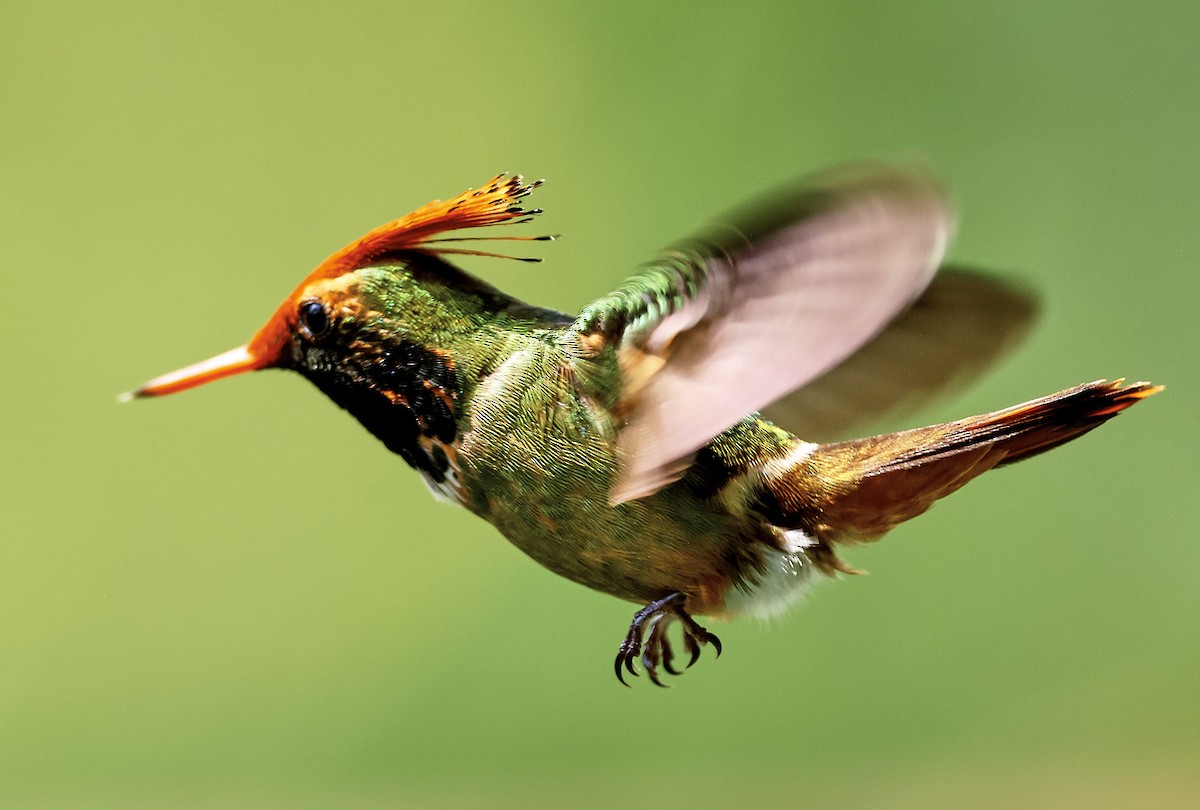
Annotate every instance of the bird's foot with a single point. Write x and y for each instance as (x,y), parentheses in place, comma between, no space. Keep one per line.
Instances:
(647,638)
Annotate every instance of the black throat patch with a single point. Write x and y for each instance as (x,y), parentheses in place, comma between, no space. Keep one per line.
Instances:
(405,394)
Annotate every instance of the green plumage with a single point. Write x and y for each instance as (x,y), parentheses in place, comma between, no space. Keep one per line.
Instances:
(536,449)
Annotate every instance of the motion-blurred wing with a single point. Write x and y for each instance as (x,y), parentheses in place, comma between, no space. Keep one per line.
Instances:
(758,306)
(961,324)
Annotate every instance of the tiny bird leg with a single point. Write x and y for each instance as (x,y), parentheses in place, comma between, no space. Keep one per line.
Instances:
(648,632)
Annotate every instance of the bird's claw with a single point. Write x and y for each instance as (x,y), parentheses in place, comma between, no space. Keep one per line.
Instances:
(647,638)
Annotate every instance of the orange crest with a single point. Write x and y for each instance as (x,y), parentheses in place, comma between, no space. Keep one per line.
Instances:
(496,203)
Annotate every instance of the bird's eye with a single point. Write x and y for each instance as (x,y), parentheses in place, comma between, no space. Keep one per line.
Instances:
(314,320)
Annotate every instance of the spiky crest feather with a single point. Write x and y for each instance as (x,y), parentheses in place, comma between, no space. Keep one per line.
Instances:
(495,203)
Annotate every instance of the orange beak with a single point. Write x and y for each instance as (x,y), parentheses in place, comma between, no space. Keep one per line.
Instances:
(234,361)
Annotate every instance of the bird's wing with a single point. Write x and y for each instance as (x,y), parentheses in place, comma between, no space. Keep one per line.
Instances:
(763,302)
(960,325)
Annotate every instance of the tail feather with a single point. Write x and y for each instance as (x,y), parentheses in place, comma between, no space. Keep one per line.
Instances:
(1024,430)
(858,490)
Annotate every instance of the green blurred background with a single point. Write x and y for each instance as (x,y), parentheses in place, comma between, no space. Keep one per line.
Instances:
(237,598)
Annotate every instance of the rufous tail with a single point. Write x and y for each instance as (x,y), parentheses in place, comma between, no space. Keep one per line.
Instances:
(858,490)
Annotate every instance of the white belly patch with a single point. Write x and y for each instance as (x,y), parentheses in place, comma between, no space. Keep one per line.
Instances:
(789,574)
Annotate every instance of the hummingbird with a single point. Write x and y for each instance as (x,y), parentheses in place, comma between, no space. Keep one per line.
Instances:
(680,442)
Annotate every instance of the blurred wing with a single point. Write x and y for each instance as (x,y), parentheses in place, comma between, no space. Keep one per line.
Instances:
(760,305)
(962,323)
